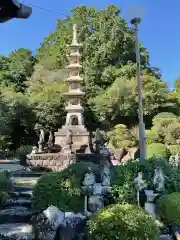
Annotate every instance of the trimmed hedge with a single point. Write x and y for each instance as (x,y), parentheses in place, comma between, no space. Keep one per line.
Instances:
(62,189)
(168,207)
(123,222)
(158,150)
(5,181)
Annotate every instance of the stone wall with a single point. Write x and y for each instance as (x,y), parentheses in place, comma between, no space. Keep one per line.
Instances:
(50,161)
(59,161)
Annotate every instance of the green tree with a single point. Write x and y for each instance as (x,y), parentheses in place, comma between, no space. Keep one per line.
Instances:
(106,39)
(17,119)
(48,104)
(121,137)
(121,99)
(16,68)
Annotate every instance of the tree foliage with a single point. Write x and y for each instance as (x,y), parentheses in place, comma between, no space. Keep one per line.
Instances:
(32,87)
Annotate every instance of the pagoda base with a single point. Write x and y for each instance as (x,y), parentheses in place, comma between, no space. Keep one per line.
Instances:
(80,139)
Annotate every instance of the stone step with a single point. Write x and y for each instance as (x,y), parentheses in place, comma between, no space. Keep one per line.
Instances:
(165,237)
(27,174)
(22,188)
(18,231)
(23,194)
(21,202)
(15,215)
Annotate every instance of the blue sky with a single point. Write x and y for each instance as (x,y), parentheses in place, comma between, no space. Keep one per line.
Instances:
(158,31)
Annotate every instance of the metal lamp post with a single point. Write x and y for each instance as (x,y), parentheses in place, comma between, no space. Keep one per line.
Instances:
(142,139)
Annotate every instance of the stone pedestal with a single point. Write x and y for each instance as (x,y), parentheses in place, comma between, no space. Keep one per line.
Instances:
(80,139)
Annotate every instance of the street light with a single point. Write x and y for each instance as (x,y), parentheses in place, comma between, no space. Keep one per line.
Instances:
(142,139)
(10,9)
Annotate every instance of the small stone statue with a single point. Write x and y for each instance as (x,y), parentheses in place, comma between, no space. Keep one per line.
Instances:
(106,178)
(34,150)
(68,142)
(140,185)
(139,182)
(50,141)
(41,140)
(159,180)
(89,179)
(98,140)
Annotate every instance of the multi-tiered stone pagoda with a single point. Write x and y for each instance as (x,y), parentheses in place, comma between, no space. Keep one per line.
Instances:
(74,117)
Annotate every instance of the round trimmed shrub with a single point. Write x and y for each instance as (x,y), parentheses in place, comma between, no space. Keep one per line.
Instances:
(4,197)
(174,149)
(122,222)
(5,181)
(168,207)
(63,189)
(157,150)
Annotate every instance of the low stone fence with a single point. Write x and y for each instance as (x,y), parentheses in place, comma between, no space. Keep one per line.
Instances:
(50,161)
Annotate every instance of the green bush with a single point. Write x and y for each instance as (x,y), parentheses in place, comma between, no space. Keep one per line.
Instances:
(168,207)
(5,181)
(151,136)
(122,222)
(158,150)
(4,197)
(62,189)
(21,153)
(121,137)
(122,178)
(174,149)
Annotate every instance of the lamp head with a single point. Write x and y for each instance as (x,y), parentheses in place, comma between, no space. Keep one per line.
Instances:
(136,21)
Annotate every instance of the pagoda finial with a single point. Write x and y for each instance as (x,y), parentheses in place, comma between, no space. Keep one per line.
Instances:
(74,41)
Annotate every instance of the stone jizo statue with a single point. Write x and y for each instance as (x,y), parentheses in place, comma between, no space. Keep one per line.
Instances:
(34,150)
(41,140)
(106,178)
(89,179)
(159,180)
(140,184)
(50,141)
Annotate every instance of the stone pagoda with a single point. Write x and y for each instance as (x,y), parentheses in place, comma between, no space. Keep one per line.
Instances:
(74,108)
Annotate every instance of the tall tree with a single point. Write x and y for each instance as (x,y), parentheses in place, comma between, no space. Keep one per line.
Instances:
(106,41)
(16,68)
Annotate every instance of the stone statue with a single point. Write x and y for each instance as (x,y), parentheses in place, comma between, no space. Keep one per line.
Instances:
(50,141)
(89,179)
(95,203)
(98,140)
(106,178)
(41,140)
(34,150)
(159,180)
(140,185)
(139,182)
(68,142)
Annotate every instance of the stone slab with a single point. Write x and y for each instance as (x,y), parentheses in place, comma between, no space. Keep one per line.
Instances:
(15,215)
(18,231)
(51,161)
(19,202)
(165,237)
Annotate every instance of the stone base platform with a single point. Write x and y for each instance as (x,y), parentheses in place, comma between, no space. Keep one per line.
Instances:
(80,138)
(50,161)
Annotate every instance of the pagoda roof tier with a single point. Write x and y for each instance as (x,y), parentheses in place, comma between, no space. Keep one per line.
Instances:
(75,93)
(74,108)
(75,79)
(75,44)
(74,66)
